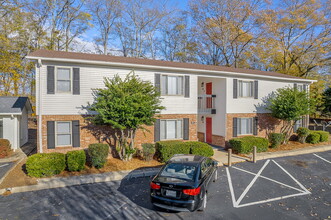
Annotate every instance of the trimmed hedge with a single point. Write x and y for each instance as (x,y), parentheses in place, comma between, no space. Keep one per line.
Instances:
(200,148)
(276,139)
(76,160)
(5,149)
(245,145)
(303,134)
(45,164)
(148,151)
(98,154)
(313,138)
(166,149)
(324,135)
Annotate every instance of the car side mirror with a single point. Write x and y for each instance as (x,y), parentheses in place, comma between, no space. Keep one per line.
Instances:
(215,163)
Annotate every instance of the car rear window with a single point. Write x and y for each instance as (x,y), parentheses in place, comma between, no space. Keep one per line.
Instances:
(179,171)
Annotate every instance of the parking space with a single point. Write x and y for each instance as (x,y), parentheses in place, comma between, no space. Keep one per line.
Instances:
(296,187)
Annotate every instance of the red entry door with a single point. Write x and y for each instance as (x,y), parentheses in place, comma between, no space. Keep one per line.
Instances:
(209,132)
(209,91)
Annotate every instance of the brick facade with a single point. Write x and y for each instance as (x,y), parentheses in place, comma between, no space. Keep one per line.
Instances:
(266,123)
(98,134)
(216,139)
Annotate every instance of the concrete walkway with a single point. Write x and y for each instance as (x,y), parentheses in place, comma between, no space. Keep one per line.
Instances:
(221,156)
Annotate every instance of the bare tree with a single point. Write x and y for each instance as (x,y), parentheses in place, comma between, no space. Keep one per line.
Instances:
(105,13)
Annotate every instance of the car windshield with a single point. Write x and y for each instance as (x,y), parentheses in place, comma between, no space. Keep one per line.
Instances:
(179,171)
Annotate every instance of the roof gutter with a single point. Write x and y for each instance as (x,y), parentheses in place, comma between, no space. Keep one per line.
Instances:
(131,65)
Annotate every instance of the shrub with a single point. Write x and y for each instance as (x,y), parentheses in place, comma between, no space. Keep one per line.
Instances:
(166,149)
(275,139)
(148,151)
(302,134)
(245,144)
(5,149)
(324,135)
(98,154)
(76,160)
(45,164)
(313,138)
(200,148)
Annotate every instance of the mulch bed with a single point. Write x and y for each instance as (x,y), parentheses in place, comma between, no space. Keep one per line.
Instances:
(292,145)
(18,176)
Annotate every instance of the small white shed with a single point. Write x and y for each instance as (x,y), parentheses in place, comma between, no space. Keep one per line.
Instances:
(14,119)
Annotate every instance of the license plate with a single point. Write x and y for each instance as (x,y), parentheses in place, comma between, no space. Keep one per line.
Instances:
(171,193)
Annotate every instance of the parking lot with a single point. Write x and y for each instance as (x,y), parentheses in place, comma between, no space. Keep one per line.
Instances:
(5,167)
(296,187)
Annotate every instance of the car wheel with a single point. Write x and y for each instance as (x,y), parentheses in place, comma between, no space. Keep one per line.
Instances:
(215,176)
(204,203)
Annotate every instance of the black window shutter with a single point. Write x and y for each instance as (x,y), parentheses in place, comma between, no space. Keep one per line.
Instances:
(187,87)
(295,86)
(256,89)
(157,130)
(50,80)
(76,81)
(75,133)
(186,135)
(305,87)
(255,125)
(235,127)
(50,135)
(157,81)
(235,88)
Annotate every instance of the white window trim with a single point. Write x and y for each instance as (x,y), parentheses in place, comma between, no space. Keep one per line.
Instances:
(71,79)
(176,129)
(56,145)
(183,85)
(239,127)
(246,81)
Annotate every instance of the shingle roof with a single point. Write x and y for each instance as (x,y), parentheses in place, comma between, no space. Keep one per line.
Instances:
(130,60)
(12,105)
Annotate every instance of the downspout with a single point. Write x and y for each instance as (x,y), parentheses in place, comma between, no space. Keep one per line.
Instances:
(39,107)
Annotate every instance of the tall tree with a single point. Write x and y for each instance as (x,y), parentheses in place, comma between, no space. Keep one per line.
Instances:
(230,25)
(105,13)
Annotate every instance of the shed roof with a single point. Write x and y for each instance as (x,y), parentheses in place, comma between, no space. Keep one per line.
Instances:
(13,105)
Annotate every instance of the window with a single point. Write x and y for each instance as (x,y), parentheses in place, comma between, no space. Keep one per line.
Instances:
(246,88)
(171,129)
(171,85)
(63,80)
(63,133)
(1,128)
(299,123)
(245,126)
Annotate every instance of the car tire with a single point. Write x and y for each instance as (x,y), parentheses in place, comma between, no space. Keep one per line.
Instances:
(204,203)
(215,176)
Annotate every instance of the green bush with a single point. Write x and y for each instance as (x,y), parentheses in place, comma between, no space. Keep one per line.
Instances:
(275,139)
(5,148)
(302,134)
(245,144)
(148,151)
(200,148)
(98,154)
(166,149)
(45,164)
(313,138)
(76,160)
(324,135)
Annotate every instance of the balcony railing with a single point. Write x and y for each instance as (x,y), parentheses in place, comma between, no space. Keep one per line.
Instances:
(206,104)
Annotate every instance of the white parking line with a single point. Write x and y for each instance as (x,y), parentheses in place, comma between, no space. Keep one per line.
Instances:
(322,158)
(236,203)
(4,165)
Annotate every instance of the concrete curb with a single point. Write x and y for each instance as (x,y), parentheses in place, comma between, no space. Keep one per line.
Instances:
(306,150)
(51,183)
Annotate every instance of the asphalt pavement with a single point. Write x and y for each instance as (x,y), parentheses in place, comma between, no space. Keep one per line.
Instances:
(297,187)
(4,168)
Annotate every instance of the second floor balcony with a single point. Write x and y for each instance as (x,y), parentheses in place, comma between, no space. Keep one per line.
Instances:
(206,104)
